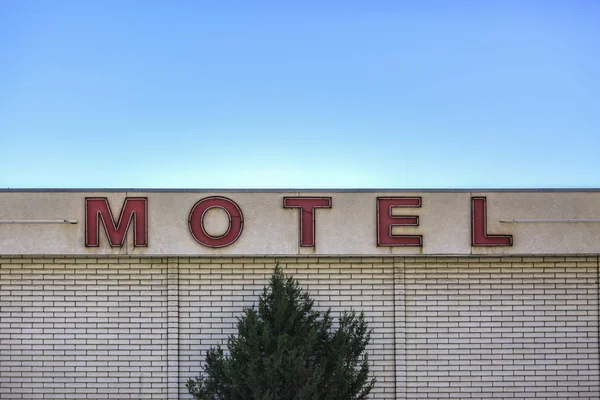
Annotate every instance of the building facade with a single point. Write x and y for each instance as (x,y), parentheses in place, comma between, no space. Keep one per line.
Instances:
(117,294)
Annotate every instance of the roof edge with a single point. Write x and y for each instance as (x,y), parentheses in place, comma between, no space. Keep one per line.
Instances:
(289,190)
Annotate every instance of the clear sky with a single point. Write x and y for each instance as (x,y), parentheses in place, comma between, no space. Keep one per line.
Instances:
(303,94)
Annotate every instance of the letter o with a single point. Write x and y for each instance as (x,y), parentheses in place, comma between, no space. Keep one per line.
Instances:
(196,221)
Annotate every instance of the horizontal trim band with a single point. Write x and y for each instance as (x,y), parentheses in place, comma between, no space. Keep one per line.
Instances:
(549,220)
(38,221)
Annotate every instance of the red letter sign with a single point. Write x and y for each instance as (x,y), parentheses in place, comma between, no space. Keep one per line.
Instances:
(307,207)
(98,210)
(196,222)
(479,226)
(385,221)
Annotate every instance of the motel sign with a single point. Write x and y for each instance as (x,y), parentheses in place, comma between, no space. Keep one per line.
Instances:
(134,215)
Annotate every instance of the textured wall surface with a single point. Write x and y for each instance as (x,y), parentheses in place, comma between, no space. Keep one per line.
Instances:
(504,328)
(445,327)
(349,227)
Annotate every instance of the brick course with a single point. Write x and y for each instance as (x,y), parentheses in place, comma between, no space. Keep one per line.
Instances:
(505,328)
(443,327)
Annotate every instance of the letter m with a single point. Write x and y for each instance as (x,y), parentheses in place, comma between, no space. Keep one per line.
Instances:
(97,211)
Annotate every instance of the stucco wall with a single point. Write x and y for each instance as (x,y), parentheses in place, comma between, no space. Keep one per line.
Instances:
(540,223)
(447,327)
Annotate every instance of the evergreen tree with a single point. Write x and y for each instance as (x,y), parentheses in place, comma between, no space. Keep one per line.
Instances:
(286,350)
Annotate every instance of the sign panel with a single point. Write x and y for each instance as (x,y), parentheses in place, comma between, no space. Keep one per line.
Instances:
(232,223)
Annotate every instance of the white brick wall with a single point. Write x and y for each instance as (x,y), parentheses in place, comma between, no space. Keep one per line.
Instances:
(91,328)
(502,328)
(133,328)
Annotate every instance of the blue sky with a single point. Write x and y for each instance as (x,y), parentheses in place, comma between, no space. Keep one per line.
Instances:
(311,94)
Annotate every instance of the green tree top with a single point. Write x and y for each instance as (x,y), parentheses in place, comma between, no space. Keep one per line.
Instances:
(284,349)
